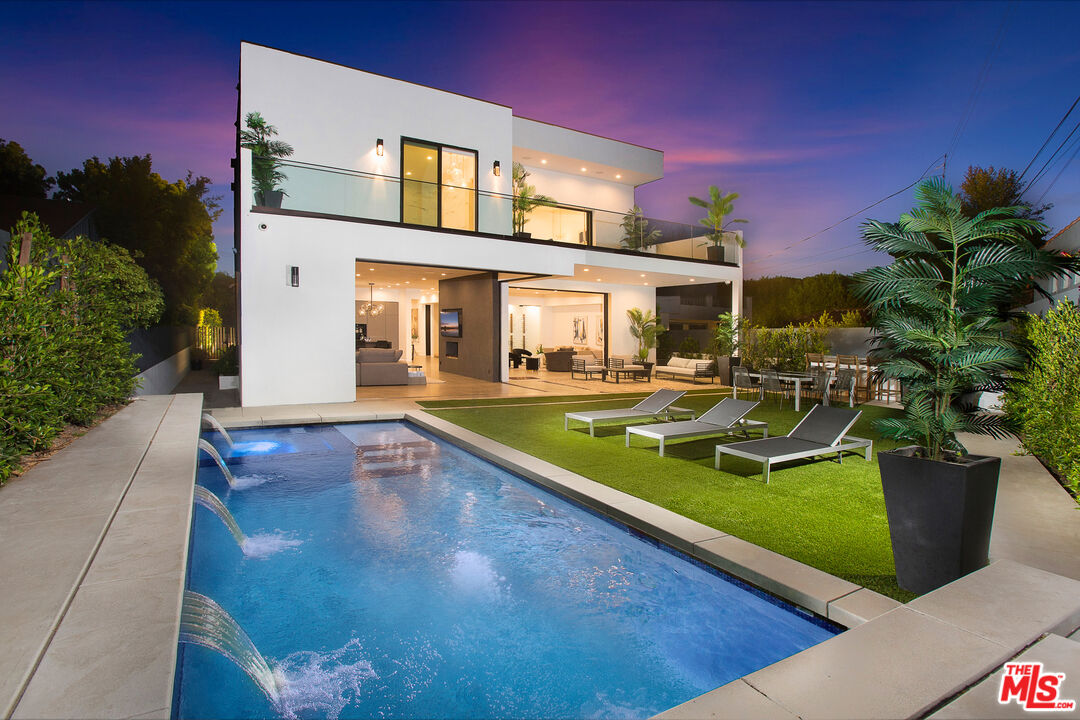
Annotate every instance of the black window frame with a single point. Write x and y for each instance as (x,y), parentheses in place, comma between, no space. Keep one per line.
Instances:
(439,147)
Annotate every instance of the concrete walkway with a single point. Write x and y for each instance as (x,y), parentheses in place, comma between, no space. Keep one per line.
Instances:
(92,555)
(1036,522)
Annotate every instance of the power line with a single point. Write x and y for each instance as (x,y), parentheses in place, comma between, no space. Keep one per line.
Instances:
(858,212)
(965,116)
(1053,182)
(1048,137)
(1050,159)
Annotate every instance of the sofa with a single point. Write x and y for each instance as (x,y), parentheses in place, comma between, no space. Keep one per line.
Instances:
(380,366)
(685,369)
(558,360)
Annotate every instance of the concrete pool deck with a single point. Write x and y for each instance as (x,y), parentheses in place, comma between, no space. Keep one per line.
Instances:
(94,582)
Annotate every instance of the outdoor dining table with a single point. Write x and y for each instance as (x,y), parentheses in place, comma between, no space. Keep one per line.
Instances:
(798,378)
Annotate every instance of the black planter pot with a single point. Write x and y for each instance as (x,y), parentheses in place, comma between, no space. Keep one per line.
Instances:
(525,235)
(715,253)
(940,515)
(724,363)
(272,198)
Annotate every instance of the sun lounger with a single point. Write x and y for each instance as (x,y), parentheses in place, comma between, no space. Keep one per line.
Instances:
(822,431)
(724,417)
(657,405)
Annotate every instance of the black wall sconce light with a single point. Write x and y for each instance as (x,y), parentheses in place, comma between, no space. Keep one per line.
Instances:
(379,147)
(292,276)
(496,168)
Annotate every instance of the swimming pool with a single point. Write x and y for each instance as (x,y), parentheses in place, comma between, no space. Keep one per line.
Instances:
(396,575)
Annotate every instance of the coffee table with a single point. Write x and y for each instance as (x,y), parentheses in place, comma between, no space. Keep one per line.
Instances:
(630,372)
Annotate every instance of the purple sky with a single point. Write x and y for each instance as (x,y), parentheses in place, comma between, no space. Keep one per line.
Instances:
(810,111)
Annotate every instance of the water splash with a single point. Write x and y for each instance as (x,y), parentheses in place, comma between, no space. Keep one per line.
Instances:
(260,546)
(213,503)
(323,682)
(213,423)
(210,450)
(204,622)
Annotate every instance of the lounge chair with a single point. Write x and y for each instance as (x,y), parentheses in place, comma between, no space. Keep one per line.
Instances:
(724,417)
(822,431)
(657,405)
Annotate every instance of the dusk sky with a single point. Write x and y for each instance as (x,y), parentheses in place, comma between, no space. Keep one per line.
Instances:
(810,111)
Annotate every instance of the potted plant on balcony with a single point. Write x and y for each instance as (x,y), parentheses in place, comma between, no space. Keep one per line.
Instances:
(266,174)
(645,328)
(525,200)
(718,207)
(940,312)
(636,232)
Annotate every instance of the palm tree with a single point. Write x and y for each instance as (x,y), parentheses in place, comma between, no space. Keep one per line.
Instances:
(941,329)
(257,137)
(719,206)
(645,327)
(636,232)
(525,197)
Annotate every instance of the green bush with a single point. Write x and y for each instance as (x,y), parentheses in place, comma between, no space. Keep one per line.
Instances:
(1044,402)
(689,346)
(63,322)
(228,362)
(784,348)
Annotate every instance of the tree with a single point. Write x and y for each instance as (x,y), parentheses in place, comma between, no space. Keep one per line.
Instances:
(719,206)
(987,188)
(19,175)
(167,227)
(936,312)
(222,297)
(636,232)
(645,328)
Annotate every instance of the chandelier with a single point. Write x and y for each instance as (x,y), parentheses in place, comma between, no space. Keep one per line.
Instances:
(370,308)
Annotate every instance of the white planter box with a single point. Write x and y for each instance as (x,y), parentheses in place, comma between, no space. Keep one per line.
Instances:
(228,382)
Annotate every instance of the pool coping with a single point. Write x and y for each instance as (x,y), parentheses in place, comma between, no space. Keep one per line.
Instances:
(896,661)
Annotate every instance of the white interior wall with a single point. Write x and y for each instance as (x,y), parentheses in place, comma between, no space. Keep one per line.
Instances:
(587,192)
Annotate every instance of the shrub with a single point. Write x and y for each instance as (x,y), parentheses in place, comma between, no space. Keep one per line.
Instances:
(784,348)
(689,346)
(1044,401)
(228,362)
(63,321)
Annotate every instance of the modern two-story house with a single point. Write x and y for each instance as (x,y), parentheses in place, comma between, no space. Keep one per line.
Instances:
(400,224)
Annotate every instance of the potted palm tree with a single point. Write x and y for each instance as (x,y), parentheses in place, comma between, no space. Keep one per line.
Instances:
(940,312)
(646,328)
(718,207)
(725,344)
(636,232)
(525,200)
(266,174)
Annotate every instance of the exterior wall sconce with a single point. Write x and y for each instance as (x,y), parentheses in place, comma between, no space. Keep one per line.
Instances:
(495,168)
(292,276)
(379,147)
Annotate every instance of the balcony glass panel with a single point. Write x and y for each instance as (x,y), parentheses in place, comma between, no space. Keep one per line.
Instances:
(415,199)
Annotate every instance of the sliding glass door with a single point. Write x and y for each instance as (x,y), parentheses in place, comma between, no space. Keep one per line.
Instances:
(438,185)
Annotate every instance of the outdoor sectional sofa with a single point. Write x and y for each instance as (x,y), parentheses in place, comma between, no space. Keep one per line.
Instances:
(686,369)
(380,366)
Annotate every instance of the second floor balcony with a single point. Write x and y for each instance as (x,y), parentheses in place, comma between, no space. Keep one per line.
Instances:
(456,205)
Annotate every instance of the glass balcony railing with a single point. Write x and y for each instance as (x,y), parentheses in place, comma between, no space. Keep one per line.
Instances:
(347,193)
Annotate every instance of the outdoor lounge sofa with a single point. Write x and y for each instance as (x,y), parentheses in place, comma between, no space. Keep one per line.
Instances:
(724,417)
(822,431)
(657,405)
(686,369)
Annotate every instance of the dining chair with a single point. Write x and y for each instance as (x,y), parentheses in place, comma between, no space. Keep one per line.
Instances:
(770,383)
(741,379)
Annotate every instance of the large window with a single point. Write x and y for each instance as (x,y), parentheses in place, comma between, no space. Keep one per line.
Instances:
(561,224)
(438,185)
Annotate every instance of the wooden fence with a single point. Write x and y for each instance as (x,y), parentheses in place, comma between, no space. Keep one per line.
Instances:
(214,339)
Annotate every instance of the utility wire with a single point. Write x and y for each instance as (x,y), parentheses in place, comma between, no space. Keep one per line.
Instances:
(1076,144)
(1049,160)
(965,116)
(1048,137)
(929,167)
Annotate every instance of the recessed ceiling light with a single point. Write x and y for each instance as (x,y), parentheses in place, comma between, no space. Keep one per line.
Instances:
(428,157)
(584,170)
(543,162)
(693,280)
(585,269)
(646,283)
(408,172)
(423,278)
(618,176)
(642,274)
(444,273)
(406,282)
(371,269)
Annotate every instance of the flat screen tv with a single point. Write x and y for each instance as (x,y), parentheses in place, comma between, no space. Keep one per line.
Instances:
(450,323)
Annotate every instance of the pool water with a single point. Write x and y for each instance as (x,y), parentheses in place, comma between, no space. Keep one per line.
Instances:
(413,579)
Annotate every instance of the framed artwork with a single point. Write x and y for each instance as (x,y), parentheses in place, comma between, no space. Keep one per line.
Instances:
(600,331)
(581,331)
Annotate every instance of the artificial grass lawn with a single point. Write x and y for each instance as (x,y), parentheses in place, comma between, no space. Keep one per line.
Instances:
(826,515)
(717,390)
